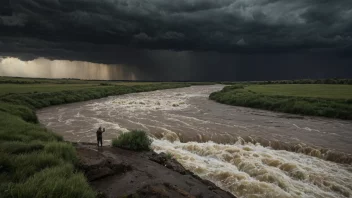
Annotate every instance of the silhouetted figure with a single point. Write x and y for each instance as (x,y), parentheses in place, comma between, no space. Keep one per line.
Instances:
(100,136)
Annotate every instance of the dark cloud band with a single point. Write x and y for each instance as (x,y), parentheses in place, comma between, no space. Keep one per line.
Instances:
(186,39)
(223,25)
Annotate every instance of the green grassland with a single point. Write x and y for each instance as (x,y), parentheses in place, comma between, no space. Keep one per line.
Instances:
(299,81)
(13,85)
(28,88)
(333,101)
(45,88)
(34,162)
(20,80)
(305,90)
(38,81)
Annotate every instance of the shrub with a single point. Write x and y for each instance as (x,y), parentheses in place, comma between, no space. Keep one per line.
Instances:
(136,140)
(105,84)
(169,155)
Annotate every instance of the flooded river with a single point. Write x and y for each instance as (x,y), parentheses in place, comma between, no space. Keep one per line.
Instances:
(249,152)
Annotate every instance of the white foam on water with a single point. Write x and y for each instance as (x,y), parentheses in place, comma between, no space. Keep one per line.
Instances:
(145,102)
(78,115)
(137,103)
(188,118)
(248,170)
(108,125)
(69,121)
(306,128)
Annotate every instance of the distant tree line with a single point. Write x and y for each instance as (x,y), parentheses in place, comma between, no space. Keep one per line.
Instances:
(19,82)
(37,81)
(14,80)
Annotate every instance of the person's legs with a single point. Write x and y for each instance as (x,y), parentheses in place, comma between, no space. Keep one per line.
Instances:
(98,141)
(101,141)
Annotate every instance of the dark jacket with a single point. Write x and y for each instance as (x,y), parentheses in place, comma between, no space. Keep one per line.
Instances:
(100,133)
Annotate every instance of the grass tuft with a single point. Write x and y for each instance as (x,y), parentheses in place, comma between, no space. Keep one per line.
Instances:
(136,140)
(169,155)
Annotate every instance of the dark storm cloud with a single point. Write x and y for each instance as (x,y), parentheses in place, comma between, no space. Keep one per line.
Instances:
(223,25)
(186,39)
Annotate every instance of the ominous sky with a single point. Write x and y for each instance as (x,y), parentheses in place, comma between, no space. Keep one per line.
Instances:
(45,68)
(186,39)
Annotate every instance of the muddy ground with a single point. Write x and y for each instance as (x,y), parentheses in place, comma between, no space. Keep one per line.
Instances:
(115,172)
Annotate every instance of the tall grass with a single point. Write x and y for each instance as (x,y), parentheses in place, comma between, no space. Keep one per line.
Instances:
(17,147)
(28,151)
(58,181)
(136,140)
(24,112)
(237,96)
(61,150)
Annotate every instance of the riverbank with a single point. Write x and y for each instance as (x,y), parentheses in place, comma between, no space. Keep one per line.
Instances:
(239,95)
(36,162)
(115,172)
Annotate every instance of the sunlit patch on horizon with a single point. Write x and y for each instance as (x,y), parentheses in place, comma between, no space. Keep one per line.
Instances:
(45,68)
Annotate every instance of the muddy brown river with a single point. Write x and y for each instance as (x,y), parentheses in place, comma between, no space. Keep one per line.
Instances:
(231,146)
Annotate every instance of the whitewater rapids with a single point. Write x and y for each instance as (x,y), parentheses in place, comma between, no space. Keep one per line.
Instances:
(245,151)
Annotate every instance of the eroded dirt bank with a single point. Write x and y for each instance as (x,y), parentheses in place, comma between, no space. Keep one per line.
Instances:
(116,172)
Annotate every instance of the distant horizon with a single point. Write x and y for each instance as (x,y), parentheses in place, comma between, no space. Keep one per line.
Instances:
(43,78)
(59,69)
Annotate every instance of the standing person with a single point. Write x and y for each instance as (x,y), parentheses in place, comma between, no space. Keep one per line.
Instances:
(100,136)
